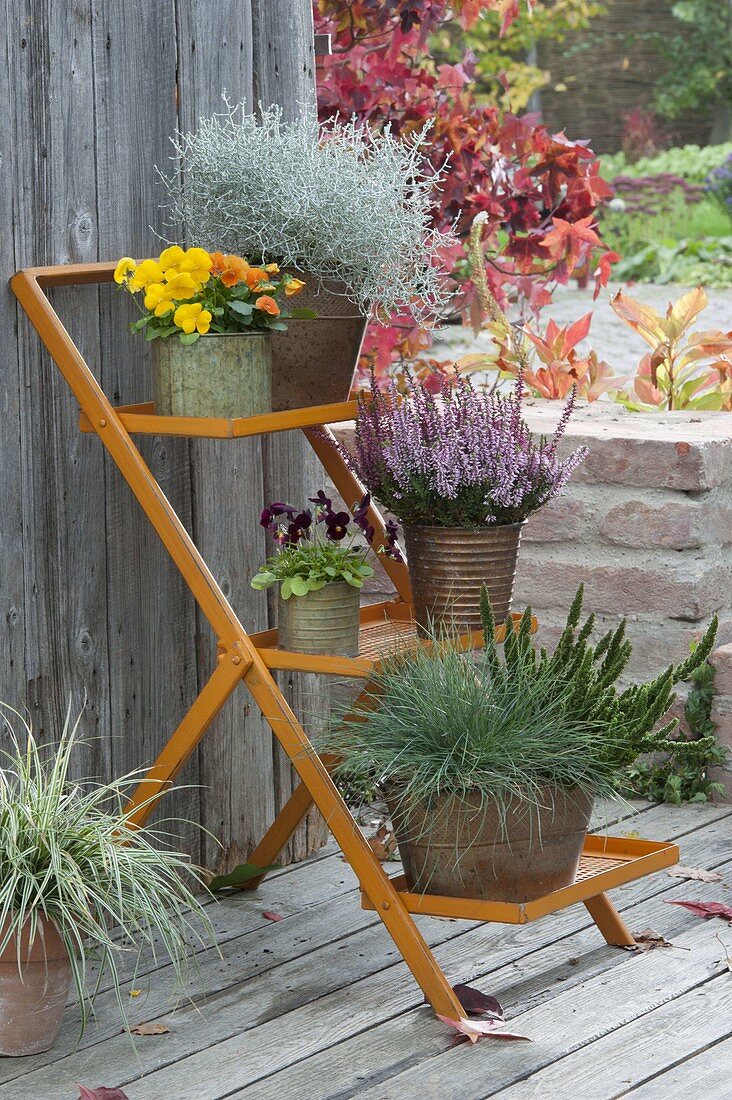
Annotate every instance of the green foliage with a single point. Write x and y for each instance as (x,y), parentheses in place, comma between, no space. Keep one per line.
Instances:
(508,721)
(699,58)
(691,162)
(310,566)
(69,852)
(551,20)
(682,775)
(681,243)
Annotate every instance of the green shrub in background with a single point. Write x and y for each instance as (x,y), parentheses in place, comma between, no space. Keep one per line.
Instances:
(692,162)
(684,777)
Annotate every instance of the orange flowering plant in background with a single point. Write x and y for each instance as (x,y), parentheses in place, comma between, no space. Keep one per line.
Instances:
(190,292)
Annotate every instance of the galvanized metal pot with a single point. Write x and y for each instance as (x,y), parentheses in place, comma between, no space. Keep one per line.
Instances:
(449,565)
(314,362)
(219,375)
(325,621)
(460,848)
(32,1002)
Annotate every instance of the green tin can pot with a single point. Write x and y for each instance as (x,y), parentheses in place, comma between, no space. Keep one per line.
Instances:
(325,621)
(227,375)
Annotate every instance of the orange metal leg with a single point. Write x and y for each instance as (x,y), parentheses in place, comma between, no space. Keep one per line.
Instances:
(609,921)
(353,844)
(227,674)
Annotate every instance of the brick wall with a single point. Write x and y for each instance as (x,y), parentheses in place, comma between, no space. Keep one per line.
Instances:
(646,525)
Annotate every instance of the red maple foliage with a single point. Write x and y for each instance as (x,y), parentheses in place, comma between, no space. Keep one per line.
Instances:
(539,190)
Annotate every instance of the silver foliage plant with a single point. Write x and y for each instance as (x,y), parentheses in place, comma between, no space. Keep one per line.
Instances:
(341,203)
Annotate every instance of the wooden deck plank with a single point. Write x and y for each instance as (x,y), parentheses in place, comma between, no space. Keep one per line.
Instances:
(704,1076)
(574,1018)
(300,982)
(523,983)
(638,1052)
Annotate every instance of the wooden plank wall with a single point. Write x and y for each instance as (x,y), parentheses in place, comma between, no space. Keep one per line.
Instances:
(89,605)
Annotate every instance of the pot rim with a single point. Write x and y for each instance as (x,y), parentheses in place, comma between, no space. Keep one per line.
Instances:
(488,528)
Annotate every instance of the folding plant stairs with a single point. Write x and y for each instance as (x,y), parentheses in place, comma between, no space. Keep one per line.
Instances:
(252,658)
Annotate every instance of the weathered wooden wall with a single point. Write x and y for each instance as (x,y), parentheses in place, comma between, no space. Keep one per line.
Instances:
(89,603)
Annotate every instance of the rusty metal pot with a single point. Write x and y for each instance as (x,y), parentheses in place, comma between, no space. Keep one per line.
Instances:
(460,847)
(325,621)
(32,1000)
(449,565)
(314,362)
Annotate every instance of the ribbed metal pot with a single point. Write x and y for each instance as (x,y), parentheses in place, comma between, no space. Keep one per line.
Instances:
(461,848)
(449,565)
(314,362)
(32,1001)
(325,621)
(219,375)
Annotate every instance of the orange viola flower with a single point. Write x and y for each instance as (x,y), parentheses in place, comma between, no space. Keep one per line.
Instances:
(268,305)
(218,263)
(255,276)
(236,271)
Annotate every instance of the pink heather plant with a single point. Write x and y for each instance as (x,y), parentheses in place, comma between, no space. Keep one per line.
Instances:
(459,459)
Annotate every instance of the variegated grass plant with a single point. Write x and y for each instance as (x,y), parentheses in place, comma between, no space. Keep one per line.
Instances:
(341,202)
(69,853)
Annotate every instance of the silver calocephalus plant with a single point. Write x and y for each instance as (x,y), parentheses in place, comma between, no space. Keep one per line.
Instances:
(341,203)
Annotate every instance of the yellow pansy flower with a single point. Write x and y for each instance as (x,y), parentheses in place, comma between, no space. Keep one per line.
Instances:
(197,263)
(272,269)
(192,317)
(294,286)
(157,299)
(180,285)
(171,257)
(148,272)
(125,266)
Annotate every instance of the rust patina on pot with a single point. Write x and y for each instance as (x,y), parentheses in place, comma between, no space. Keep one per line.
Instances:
(324,621)
(221,374)
(449,565)
(460,847)
(314,362)
(32,1001)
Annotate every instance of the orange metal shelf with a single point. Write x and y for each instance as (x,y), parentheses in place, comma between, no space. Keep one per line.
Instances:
(606,862)
(386,628)
(143,420)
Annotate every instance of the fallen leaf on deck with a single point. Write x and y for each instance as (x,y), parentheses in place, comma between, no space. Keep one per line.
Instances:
(477,1003)
(149,1029)
(268,914)
(237,878)
(101,1093)
(135,992)
(480,1029)
(696,873)
(383,844)
(632,835)
(647,940)
(706,909)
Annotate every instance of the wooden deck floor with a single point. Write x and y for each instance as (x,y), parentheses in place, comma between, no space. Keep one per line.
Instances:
(319,1005)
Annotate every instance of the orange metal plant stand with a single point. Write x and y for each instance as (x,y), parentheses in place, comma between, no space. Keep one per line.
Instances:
(252,658)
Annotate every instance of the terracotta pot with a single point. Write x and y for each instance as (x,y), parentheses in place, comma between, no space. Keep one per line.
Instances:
(325,621)
(219,375)
(460,848)
(449,565)
(314,362)
(32,1001)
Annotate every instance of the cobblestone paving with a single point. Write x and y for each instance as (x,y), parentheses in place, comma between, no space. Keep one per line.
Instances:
(612,340)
